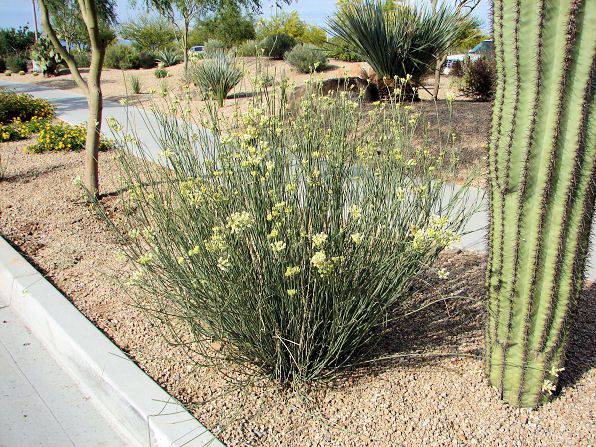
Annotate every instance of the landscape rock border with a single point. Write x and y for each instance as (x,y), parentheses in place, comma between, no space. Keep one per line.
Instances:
(129,399)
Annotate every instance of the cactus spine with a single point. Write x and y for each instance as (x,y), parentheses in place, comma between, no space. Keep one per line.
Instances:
(542,173)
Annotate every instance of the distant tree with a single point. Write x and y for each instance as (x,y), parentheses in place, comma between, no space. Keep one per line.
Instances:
(149,34)
(291,24)
(97,15)
(228,24)
(16,40)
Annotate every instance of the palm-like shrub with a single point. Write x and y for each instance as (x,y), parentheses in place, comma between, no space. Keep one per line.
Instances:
(287,239)
(277,45)
(306,58)
(399,43)
(216,76)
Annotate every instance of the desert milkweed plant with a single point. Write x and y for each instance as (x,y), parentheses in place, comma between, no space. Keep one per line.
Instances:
(289,239)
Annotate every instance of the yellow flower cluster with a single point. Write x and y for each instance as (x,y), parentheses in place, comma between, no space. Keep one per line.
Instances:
(63,137)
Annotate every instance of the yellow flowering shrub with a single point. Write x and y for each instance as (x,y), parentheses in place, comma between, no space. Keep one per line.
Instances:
(23,106)
(19,130)
(289,237)
(63,137)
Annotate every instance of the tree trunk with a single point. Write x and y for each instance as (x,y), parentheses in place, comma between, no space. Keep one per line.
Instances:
(542,170)
(185,44)
(440,63)
(95,104)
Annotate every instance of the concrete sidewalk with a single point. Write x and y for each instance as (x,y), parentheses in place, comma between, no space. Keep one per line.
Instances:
(40,404)
(72,108)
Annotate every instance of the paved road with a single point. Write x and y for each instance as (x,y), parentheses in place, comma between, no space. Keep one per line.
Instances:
(72,108)
(40,404)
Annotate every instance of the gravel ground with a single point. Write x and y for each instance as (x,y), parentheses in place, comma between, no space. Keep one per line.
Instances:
(435,399)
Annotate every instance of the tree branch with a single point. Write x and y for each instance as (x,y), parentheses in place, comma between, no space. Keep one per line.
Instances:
(68,58)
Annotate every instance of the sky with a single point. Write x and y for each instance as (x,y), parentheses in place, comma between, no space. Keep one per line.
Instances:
(14,13)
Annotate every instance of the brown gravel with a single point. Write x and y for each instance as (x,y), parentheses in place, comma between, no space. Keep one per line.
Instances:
(429,400)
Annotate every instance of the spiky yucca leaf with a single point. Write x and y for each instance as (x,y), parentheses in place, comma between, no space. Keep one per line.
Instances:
(400,42)
(217,76)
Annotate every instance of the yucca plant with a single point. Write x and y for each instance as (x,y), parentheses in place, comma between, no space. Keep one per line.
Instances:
(400,43)
(542,166)
(168,57)
(216,76)
(288,240)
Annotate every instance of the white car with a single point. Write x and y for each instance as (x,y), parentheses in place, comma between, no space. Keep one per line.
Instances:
(484,47)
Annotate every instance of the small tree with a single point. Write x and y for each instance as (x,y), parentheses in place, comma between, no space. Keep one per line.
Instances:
(149,34)
(93,13)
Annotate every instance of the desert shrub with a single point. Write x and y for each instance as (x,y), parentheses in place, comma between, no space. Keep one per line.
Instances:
(277,45)
(20,130)
(160,73)
(228,24)
(248,48)
(479,78)
(135,85)
(147,60)
(23,107)
(7,73)
(46,56)
(22,73)
(213,47)
(288,240)
(2,65)
(122,56)
(457,69)
(16,62)
(336,48)
(63,137)
(82,58)
(217,76)
(306,58)
(168,57)
(403,43)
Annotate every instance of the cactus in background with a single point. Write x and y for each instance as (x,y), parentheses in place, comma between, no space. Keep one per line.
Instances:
(542,170)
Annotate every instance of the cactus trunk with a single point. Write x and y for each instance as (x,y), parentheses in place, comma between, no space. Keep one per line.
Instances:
(542,173)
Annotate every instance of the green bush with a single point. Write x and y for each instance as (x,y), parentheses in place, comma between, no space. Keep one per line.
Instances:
(23,107)
(479,78)
(82,58)
(7,73)
(161,73)
(277,45)
(16,63)
(148,34)
(288,239)
(403,43)
(248,49)
(213,47)
(337,48)
(306,58)
(127,57)
(46,56)
(216,77)
(63,137)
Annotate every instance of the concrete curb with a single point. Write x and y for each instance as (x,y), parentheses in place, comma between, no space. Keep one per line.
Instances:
(135,405)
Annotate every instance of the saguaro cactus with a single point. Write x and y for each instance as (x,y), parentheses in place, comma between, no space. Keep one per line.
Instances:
(542,166)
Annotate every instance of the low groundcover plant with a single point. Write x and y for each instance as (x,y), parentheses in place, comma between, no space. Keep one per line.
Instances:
(289,240)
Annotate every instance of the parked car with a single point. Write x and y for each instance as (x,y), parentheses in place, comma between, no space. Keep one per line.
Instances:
(197,49)
(483,48)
